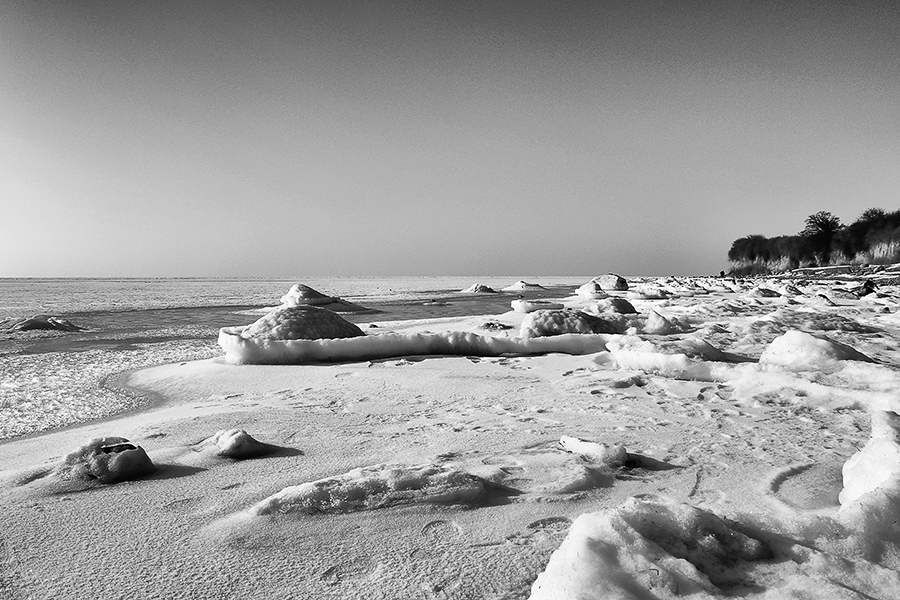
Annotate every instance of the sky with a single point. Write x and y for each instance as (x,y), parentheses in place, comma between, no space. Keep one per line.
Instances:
(332,138)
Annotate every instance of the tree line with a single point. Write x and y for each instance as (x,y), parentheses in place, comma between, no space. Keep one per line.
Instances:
(873,238)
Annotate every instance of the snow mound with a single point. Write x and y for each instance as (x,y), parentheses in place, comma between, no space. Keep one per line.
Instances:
(377,486)
(612,456)
(301,323)
(107,460)
(521,286)
(303,295)
(877,465)
(657,324)
(591,291)
(799,351)
(243,350)
(611,281)
(556,322)
(235,443)
(477,288)
(649,549)
(617,305)
(528,306)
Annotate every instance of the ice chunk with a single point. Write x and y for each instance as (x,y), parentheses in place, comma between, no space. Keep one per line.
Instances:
(477,288)
(657,324)
(611,281)
(591,291)
(877,464)
(301,323)
(556,322)
(528,306)
(648,549)
(377,486)
(799,351)
(107,460)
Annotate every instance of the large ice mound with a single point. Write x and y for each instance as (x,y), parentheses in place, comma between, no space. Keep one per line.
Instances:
(800,351)
(377,486)
(555,322)
(301,323)
(649,549)
(107,460)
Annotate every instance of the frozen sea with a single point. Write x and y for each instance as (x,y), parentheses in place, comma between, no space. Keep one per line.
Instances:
(54,379)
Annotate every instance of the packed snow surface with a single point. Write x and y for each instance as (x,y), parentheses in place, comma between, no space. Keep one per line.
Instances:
(482,455)
(378,486)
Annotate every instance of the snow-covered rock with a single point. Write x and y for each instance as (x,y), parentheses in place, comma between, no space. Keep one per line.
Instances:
(301,323)
(235,443)
(617,305)
(477,288)
(611,281)
(107,460)
(39,322)
(591,291)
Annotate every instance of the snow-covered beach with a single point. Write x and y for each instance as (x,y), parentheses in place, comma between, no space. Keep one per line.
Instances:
(720,438)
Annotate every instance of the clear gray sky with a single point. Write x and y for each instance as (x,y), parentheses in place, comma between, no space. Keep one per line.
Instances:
(201,138)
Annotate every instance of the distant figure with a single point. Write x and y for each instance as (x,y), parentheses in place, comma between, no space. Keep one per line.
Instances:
(721,273)
(865,289)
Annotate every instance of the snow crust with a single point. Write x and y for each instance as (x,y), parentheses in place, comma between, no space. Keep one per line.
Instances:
(373,487)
